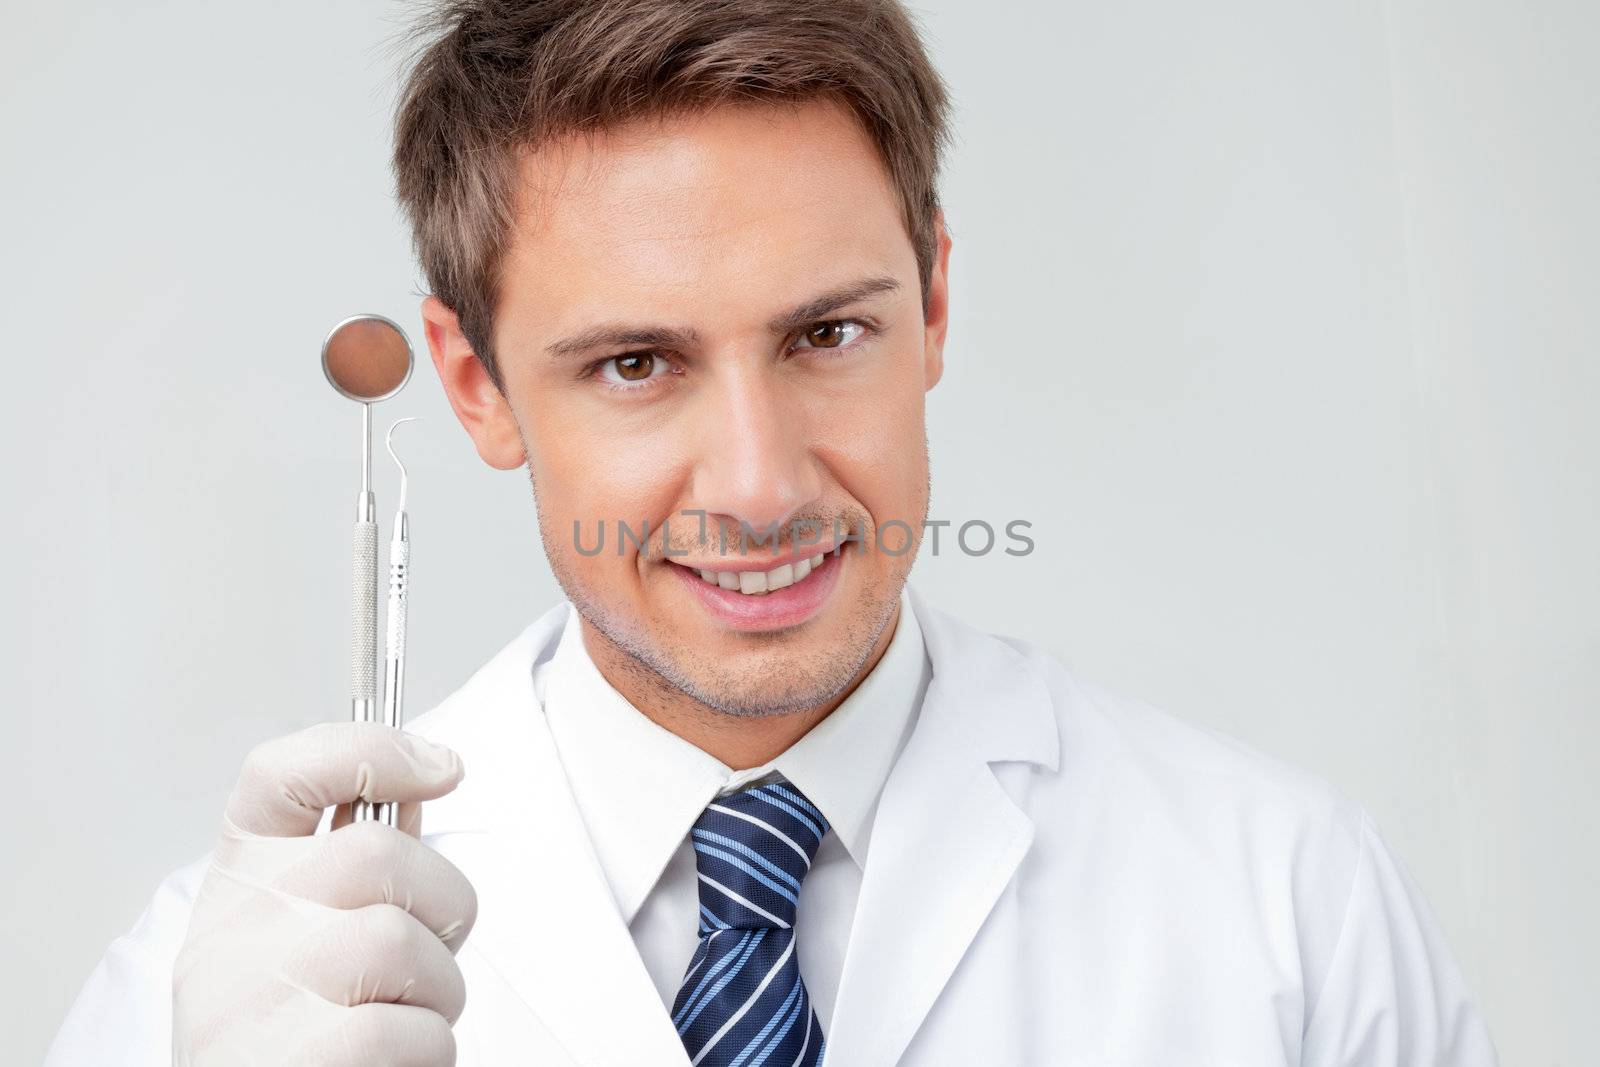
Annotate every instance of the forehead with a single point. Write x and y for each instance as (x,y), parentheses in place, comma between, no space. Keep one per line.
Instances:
(735,201)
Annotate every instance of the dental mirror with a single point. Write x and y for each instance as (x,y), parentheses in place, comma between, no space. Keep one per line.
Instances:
(366,358)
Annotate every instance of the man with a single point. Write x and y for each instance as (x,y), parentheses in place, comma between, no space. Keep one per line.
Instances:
(746,798)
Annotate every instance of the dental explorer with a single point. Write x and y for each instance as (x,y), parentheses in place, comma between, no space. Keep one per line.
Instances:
(395,631)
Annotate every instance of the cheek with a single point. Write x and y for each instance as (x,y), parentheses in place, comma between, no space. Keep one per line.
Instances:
(581,467)
(873,440)
(594,476)
(589,472)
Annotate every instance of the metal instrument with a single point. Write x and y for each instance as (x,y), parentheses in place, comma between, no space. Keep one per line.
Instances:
(366,358)
(395,630)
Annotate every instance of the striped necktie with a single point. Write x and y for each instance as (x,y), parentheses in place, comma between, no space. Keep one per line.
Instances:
(742,1003)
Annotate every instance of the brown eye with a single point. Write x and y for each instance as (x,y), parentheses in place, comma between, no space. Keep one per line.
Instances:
(825,335)
(832,334)
(635,366)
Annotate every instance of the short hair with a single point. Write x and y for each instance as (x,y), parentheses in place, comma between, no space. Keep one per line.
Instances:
(494,78)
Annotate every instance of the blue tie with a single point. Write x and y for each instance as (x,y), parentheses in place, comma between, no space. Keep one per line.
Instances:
(742,1003)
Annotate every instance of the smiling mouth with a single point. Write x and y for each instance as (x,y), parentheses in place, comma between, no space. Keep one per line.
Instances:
(761,582)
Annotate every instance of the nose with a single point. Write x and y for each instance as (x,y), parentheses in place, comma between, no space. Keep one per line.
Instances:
(755,464)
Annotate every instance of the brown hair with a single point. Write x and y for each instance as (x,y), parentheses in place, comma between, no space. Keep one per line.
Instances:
(494,78)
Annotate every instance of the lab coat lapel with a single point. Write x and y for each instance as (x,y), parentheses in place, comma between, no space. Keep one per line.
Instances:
(946,838)
(547,921)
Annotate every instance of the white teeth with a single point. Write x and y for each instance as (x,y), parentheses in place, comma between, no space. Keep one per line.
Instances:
(755,583)
(779,577)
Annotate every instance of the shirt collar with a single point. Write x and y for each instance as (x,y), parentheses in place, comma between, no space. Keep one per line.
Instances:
(641,787)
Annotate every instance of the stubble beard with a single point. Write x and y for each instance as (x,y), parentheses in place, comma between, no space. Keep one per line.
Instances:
(775,684)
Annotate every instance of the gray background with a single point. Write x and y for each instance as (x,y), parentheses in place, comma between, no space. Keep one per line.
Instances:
(1275,319)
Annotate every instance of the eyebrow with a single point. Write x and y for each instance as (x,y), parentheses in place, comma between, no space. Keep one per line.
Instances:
(622,335)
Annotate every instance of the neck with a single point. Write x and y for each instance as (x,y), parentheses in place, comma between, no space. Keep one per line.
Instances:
(739,741)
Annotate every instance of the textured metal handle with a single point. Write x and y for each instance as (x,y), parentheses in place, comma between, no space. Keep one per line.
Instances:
(364,615)
(395,632)
(399,564)
(364,630)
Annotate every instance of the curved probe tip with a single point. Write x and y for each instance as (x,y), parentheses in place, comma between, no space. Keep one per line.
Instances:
(388,443)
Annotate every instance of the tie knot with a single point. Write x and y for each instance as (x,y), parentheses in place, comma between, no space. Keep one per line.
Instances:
(752,850)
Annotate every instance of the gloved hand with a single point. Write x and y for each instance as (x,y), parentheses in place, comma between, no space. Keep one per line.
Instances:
(331,949)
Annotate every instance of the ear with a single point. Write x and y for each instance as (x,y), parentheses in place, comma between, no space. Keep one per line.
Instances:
(938,314)
(477,402)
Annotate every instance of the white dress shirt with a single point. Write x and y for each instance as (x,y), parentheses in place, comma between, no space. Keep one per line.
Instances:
(639,788)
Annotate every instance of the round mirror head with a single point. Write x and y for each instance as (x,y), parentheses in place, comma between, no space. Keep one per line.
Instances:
(367,358)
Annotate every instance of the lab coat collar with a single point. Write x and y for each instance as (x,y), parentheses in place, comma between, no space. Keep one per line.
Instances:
(947,837)
(945,842)
(991,693)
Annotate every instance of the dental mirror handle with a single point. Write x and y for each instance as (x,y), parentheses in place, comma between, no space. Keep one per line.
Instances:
(364,626)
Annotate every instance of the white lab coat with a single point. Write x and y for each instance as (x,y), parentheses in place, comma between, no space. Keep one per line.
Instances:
(1059,875)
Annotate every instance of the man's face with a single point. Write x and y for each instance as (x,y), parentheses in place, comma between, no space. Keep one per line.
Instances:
(716,314)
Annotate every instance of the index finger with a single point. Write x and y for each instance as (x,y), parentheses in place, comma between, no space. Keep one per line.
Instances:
(286,783)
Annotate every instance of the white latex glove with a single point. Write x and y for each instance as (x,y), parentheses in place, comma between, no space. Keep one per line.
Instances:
(330,949)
